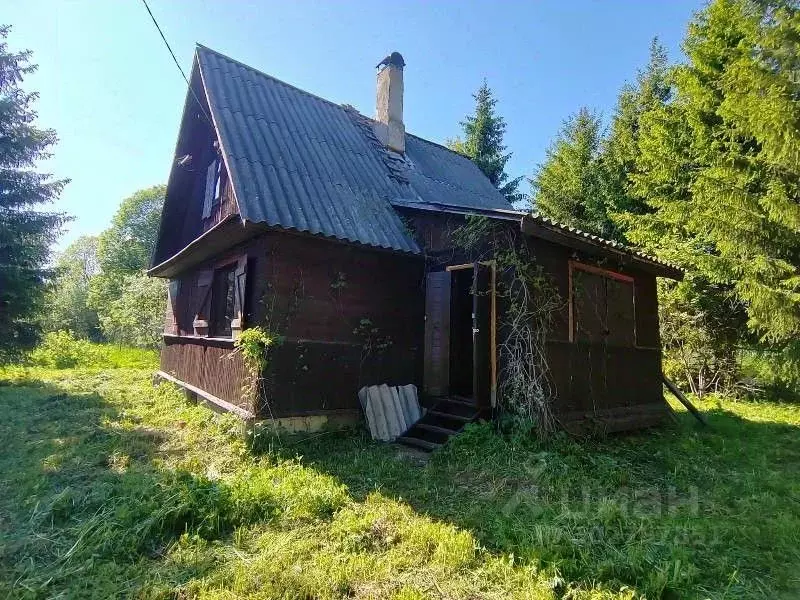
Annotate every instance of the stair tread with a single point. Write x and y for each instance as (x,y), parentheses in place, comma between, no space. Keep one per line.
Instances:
(412,441)
(435,428)
(439,413)
(461,400)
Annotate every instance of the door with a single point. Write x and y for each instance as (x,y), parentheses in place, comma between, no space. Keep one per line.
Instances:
(436,378)
(482,362)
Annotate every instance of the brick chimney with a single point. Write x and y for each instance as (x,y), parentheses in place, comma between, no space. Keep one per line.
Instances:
(389,103)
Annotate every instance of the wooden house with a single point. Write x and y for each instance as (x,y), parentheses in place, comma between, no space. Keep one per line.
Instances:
(336,231)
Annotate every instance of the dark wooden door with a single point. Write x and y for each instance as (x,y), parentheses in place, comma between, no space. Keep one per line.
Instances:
(481,334)
(436,380)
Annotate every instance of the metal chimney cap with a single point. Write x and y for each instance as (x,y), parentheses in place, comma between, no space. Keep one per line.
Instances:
(394,59)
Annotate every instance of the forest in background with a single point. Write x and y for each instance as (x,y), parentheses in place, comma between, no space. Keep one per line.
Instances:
(699,165)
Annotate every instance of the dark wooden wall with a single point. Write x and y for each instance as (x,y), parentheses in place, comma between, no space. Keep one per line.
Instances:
(331,301)
(317,293)
(207,364)
(589,379)
(182,220)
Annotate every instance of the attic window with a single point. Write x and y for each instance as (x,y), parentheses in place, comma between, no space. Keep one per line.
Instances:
(212,189)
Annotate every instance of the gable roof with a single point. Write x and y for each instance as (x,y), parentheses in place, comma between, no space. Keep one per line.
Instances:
(300,162)
(303,163)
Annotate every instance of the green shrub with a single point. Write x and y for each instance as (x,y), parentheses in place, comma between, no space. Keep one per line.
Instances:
(62,350)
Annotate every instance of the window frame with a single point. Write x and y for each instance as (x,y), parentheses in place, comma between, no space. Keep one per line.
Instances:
(204,325)
(575,265)
(216,314)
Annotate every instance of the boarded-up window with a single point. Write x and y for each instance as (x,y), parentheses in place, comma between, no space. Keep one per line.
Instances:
(603,306)
(211,196)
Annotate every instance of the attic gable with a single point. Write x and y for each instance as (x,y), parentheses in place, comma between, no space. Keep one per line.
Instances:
(197,156)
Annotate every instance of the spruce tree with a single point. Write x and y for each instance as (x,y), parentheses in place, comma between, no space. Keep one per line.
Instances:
(26,232)
(483,143)
(719,165)
(621,147)
(569,186)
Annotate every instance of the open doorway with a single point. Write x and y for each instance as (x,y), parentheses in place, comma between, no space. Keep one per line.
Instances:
(461,346)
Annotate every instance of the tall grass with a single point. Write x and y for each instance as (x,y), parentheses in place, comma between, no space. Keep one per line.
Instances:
(114,488)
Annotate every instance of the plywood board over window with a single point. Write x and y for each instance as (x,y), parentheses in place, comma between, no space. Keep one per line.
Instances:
(602,306)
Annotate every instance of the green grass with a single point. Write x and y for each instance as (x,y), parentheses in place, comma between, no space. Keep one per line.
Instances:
(114,488)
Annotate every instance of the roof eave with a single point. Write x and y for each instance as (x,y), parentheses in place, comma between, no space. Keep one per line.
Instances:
(560,235)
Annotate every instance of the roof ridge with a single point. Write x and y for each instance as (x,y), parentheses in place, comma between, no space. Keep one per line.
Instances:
(343,105)
(268,76)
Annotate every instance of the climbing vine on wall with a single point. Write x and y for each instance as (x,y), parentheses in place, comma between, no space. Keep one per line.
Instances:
(530,300)
(254,345)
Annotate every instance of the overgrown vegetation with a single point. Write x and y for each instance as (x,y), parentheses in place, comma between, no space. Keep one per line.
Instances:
(115,488)
(528,302)
(254,345)
(62,350)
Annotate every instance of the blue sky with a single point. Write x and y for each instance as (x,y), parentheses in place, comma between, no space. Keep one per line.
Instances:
(110,89)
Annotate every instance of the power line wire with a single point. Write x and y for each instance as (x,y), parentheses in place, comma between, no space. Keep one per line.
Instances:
(177,64)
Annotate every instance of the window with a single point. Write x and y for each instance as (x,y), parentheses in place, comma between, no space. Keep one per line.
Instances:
(602,306)
(172,315)
(212,189)
(219,298)
(223,301)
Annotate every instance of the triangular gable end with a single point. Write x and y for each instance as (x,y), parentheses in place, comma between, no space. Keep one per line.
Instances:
(182,215)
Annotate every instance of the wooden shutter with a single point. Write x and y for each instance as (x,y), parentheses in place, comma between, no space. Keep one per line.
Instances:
(170,318)
(240,282)
(202,312)
(590,308)
(437,334)
(602,306)
(211,187)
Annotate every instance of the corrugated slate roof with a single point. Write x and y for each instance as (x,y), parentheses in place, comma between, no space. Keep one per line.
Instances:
(300,162)
(437,174)
(541,219)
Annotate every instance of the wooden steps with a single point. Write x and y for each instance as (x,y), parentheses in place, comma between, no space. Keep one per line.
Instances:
(447,417)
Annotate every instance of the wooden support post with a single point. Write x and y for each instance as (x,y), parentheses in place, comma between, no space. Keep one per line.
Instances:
(684,400)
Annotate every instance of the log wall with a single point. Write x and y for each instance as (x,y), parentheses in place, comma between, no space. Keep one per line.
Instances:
(350,316)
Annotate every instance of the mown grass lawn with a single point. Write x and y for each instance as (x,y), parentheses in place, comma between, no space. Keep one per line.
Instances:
(113,488)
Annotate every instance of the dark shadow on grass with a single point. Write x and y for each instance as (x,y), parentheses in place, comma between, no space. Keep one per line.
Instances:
(83,495)
(666,510)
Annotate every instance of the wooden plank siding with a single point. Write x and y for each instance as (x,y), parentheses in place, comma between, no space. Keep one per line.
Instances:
(610,379)
(319,293)
(331,302)
(207,364)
